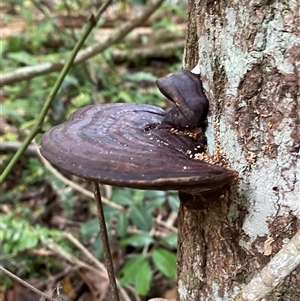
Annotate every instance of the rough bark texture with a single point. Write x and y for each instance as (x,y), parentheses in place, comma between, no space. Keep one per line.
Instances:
(249,60)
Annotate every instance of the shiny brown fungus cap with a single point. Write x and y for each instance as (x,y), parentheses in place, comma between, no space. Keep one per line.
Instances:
(123,145)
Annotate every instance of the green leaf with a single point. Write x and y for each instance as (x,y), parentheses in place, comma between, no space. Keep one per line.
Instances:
(97,247)
(22,57)
(110,212)
(143,278)
(15,43)
(130,268)
(141,76)
(122,196)
(154,199)
(125,96)
(27,241)
(173,202)
(138,196)
(82,99)
(165,261)
(137,240)
(122,225)
(171,240)
(88,229)
(17,234)
(141,217)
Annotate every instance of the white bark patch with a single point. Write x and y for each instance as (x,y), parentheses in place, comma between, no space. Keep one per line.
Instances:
(216,296)
(280,37)
(290,170)
(210,134)
(258,181)
(184,294)
(271,41)
(235,58)
(263,200)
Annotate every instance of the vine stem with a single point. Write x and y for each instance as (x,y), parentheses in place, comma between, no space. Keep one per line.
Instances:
(105,243)
(37,128)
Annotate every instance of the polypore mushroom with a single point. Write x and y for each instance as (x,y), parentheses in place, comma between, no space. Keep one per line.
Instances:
(142,146)
(114,144)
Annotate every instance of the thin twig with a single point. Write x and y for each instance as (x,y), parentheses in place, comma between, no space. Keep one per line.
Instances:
(146,246)
(66,67)
(13,146)
(105,243)
(85,251)
(13,276)
(77,263)
(53,280)
(169,223)
(281,265)
(133,293)
(45,68)
(92,258)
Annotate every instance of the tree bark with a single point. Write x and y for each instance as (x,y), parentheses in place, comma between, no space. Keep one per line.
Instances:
(249,61)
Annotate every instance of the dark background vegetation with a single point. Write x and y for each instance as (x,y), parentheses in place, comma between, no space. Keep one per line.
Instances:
(48,221)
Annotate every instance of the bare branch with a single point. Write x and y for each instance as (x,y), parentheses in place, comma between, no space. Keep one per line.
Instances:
(281,265)
(13,146)
(94,260)
(32,288)
(26,73)
(85,251)
(163,50)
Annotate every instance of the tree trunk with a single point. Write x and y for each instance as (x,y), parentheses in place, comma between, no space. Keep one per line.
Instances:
(249,61)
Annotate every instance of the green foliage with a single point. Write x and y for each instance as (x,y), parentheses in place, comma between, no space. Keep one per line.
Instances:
(20,232)
(137,240)
(89,231)
(143,278)
(140,207)
(65,194)
(122,225)
(137,271)
(141,217)
(126,87)
(165,262)
(33,174)
(171,240)
(16,237)
(89,228)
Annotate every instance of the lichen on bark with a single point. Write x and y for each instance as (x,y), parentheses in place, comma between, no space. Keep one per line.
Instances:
(249,65)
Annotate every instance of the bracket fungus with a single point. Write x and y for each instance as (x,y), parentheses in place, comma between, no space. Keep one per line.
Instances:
(142,146)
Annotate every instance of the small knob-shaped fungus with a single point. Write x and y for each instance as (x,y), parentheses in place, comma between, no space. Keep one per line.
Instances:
(185,89)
